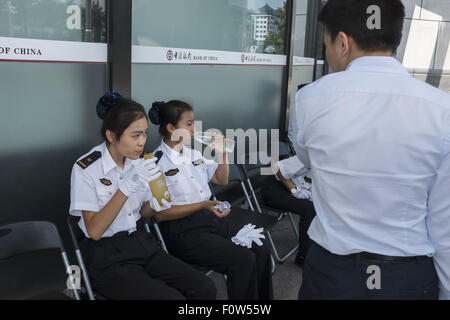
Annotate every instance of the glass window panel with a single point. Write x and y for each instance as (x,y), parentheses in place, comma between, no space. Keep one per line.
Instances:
(223,97)
(226,25)
(66,20)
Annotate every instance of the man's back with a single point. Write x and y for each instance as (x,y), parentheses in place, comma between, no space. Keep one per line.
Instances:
(375,138)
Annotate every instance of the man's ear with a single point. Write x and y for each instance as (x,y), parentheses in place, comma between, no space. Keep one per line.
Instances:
(110,136)
(345,43)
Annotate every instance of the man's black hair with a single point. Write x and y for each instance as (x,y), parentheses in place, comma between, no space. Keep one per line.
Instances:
(350,17)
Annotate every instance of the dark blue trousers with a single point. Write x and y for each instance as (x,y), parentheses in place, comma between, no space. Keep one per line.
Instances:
(330,276)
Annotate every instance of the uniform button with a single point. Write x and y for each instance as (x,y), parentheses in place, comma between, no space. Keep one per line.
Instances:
(176,181)
(110,193)
(129,214)
(192,177)
(201,191)
(121,178)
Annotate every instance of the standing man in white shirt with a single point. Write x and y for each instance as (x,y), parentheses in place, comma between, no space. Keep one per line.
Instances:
(377,142)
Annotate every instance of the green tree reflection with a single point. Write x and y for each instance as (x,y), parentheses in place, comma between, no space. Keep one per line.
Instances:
(276,36)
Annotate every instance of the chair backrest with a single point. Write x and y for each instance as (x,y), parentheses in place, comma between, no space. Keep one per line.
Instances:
(75,232)
(284,151)
(29,236)
(235,173)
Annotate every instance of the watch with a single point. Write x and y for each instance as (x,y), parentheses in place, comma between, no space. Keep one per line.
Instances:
(294,190)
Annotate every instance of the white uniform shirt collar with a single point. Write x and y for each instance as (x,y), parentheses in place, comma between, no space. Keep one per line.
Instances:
(175,156)
(377,64)
(108,162)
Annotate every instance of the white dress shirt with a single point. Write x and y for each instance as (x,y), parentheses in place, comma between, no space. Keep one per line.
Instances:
(94,184)
(377,142)
(187,174)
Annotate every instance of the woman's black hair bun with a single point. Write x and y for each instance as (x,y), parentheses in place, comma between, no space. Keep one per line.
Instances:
(153,113)
(106,102)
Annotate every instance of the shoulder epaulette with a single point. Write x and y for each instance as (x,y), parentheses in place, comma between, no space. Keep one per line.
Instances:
(90,159)
(158,154)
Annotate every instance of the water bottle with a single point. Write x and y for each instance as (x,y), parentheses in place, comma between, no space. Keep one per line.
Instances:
(207,139)
(158,186)
(223,206)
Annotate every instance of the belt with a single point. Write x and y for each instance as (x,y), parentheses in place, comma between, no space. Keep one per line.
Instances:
(367,256)
(378,257)
(132,232)
(123,234)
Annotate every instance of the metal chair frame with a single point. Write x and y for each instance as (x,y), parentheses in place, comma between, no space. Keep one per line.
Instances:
(286,147)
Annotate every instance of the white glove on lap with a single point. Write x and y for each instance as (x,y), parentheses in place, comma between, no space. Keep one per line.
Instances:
(247,234)
(139,176)
(154,204)
(256,235)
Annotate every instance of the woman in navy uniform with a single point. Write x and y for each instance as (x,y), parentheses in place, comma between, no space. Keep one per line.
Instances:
(193,228)
(109,190)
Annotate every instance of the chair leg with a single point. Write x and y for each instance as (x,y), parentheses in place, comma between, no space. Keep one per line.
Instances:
(293,225)
(273,264)
(67,265)
(275,251)
(160,237)
(85,276)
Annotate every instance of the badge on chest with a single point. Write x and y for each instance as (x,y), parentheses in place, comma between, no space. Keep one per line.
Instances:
(106,182)
(197,162)
(172,172)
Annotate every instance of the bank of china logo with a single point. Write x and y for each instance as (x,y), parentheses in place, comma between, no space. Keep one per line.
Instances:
(169,55)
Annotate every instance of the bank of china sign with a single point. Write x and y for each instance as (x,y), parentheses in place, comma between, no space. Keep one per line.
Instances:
(17,49)
(33,50)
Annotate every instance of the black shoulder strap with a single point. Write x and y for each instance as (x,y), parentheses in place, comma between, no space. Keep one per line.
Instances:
(90,159)
(158,154)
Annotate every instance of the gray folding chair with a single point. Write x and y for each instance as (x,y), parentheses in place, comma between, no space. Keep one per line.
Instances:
(284,149)
(77,236)
(30,236)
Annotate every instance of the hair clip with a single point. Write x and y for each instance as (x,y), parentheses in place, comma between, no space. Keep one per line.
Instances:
(106,102)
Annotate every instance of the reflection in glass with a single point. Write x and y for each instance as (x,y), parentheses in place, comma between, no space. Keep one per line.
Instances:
(67,20)
(256,26)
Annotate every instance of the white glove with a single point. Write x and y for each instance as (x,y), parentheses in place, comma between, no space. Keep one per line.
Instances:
(240,238)
(139,176)
(247,234)
(154,204)
(302,194)
(256,235)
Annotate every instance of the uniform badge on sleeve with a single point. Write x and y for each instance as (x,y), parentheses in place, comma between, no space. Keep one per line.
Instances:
(308,179)
(172,172)
(197,162)
(106,182)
